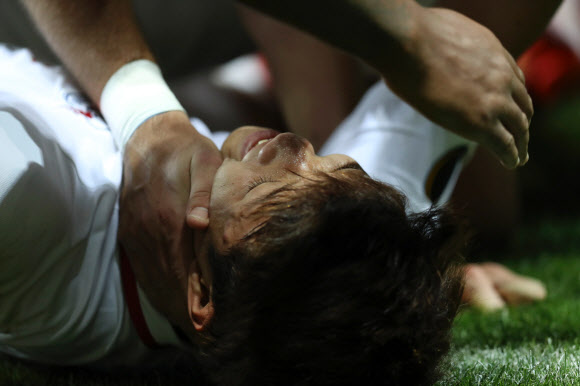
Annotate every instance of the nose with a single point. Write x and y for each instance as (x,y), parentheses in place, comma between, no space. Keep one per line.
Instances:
(286,148)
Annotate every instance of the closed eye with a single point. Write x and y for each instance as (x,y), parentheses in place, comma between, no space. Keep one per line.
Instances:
(257,182)
(350,165)
(261,180)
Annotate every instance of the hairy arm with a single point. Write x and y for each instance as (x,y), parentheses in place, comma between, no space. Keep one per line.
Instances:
(165,160)
(93,38)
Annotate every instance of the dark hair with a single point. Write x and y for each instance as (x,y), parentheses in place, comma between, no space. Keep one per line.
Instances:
(340,287)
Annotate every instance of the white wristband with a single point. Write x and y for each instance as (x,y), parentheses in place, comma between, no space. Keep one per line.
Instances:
(135,93)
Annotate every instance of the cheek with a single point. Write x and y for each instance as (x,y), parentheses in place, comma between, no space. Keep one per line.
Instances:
(225,230)
(228,146)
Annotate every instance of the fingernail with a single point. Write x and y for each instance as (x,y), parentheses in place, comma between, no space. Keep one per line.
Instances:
(199,214)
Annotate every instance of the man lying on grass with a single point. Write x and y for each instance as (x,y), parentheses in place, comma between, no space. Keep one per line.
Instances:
(310,271)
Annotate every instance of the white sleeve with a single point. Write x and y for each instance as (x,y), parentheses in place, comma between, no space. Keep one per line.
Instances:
(32,208)
(61,300)
(395,144)
(20,160)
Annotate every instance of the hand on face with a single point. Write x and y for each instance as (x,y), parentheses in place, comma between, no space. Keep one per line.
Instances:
(460,76)
(169,258)
(168,169)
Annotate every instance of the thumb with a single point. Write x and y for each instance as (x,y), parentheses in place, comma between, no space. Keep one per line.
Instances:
(198,217)
(204,165)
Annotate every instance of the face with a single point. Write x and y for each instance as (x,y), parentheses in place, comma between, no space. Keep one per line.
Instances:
(257,162)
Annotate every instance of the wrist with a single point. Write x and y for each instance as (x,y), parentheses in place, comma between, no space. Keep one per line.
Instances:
(134,94)
(396,34)
(161,135)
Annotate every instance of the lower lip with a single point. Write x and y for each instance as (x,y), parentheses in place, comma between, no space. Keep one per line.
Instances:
(252,140)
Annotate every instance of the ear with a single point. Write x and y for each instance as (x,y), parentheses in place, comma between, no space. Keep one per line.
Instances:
(199,301)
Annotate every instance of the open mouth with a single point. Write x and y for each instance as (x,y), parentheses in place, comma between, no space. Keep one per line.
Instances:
(258,139)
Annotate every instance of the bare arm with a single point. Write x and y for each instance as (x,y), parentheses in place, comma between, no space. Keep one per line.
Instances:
(452,69)
(517,25)
(93,38)
(374,30)
(165,160)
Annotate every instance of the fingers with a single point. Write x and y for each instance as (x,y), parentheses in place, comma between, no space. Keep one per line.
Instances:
(524,102)
(503,144)
(514,289)
(204,163)
(511,135)
(479,290)
(523,99)
(198,217)
(517,70)
(490,286)
(516,123)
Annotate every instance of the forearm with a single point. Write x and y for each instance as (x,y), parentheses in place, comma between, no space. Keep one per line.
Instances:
(375,31)
(450,68)
(316,94)
(93,38)
(516,23)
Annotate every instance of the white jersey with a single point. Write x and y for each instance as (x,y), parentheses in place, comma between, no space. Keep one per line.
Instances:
(395,144)
(61,292)
(61,298)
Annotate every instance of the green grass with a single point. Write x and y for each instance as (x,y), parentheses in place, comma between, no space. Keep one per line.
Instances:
(532,344)
(538,343)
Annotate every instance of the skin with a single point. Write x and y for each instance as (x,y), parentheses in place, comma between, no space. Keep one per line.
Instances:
(155,198)
(257,162)
(243,182)
(177,278)
(470,85)
(517,26)
(168,166)
(491,286)
(245,179)
(94,38)
(329,76)
(330,83)
(484,98)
